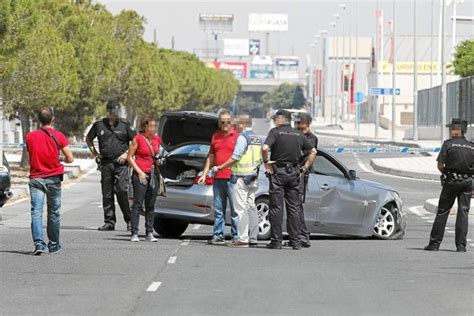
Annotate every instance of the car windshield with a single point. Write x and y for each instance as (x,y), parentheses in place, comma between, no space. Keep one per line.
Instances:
(192,150)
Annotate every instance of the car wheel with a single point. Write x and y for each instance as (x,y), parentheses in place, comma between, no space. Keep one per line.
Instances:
(263,211)
(169,228)
(386,224)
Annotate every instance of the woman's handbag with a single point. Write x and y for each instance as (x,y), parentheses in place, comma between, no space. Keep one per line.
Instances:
(153,174)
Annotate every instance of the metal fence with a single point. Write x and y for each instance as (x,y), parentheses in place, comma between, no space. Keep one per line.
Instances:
(459,103)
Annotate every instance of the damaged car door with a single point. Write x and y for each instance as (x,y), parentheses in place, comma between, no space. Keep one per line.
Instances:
(342,202)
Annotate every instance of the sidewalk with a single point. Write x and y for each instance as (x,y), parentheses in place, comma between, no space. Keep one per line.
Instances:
(72,171)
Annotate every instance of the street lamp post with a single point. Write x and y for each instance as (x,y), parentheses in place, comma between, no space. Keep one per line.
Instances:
(415,78)
(334,58)
(323,34)
(443,75)
(394,107)
(342,92)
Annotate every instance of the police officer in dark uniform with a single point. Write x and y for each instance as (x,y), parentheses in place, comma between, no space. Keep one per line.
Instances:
(456,163)
(114,135)
(303,125)
(286,145)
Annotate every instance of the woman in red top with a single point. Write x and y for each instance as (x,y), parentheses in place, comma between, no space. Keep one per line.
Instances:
(145,180)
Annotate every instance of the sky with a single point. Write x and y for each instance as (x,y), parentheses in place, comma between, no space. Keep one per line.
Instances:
(179,19)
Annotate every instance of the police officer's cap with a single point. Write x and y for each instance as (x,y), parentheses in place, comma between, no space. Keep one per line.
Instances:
(112,105)
(284,113)
(458,124)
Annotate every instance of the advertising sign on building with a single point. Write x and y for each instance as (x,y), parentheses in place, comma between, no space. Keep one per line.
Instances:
(238,69)
(287,61)
(268,22)
(236,46)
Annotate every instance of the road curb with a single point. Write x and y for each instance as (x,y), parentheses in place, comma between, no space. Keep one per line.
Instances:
(403,173)
(368,140)
(70,172)
(431,205)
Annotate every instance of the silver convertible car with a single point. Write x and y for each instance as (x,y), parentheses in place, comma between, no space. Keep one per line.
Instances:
(337,201)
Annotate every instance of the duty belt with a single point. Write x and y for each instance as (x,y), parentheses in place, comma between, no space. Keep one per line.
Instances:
(285,164)
(454,176)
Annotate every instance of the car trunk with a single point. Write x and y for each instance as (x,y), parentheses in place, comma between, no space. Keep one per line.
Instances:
(186,137)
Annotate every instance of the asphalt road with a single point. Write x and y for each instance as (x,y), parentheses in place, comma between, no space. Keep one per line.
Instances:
(102,273)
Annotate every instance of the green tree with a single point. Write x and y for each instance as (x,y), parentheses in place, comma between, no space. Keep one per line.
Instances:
(39,74)
(286,96)
(464,59)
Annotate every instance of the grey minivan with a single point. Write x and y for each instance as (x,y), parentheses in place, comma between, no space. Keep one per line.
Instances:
(337,202)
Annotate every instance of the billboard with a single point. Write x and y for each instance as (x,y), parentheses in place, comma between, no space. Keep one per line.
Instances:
(261,74)
(217,23)
(236,47)
(238,69)
(287,61)
(268,22)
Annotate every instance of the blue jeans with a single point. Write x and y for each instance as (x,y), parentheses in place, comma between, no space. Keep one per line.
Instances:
(222,190)
(51,188)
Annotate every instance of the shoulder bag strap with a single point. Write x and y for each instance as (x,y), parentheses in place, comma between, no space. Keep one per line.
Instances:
(52,137)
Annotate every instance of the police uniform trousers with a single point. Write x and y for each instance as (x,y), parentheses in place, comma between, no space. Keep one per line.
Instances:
(304,233)
(462,190)
(284,188)
(114,179)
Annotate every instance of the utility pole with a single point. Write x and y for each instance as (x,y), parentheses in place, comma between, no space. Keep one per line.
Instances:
(394,75)
(443,75)
(415,78)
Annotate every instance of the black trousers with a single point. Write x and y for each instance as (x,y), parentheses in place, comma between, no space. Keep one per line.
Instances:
(462,190)
(304,233)
(114,180)
(143,193)
(284,190)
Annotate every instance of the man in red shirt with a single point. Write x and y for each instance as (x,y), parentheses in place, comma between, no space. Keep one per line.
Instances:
(46,172)
(222,146)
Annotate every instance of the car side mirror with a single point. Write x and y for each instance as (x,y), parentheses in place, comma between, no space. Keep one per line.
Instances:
(352,175)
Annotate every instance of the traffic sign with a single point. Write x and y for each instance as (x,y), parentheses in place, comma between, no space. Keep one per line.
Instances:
(359,96)
(254,47)
(384,91)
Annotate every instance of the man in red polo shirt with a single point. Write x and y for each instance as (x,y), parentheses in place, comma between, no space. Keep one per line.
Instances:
(222,146)
(46,171)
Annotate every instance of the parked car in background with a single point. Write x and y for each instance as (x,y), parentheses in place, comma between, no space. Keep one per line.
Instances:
(5,192)
(337,201)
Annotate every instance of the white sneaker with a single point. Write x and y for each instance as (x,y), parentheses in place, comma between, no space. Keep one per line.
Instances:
(150,237)
(135,238)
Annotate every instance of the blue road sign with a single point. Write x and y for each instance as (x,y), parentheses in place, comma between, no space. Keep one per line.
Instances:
(359,96)
(384,91)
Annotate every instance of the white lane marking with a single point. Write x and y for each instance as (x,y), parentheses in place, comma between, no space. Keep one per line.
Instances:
(431,221)
(472,245)
(172,260)
(185,242)
(153,287)
(450,231)
(196,226)
(361,164)
(418,210)
(469,239)
(427,217)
